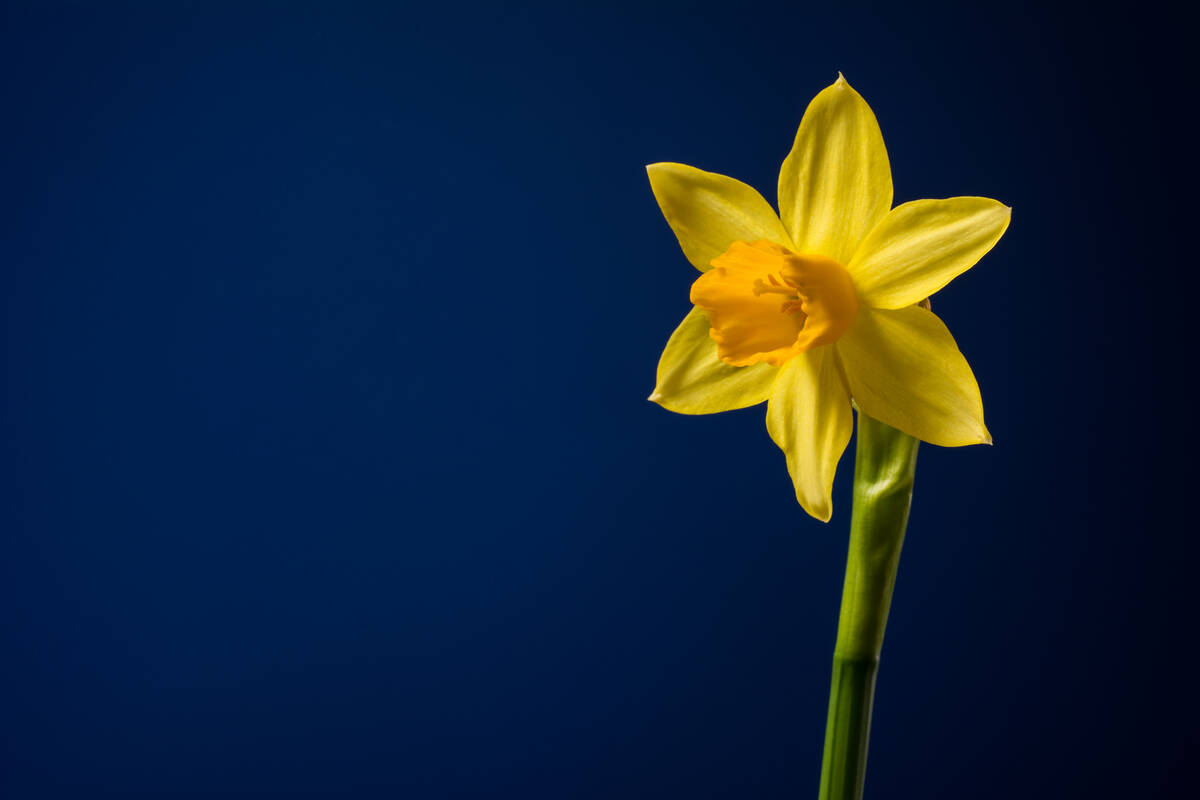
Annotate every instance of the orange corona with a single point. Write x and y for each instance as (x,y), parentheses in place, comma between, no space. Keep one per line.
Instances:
(749,323)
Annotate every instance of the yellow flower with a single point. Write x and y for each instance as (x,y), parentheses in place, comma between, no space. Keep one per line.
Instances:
(818,305)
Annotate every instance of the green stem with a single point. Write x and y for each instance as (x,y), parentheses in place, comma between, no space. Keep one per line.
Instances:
(885,463)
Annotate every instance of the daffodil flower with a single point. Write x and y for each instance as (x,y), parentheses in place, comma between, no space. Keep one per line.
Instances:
(820,304)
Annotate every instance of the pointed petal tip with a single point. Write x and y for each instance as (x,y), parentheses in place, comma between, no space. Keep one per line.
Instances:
(822,515)
(655,396)
(841,79)
(820,508)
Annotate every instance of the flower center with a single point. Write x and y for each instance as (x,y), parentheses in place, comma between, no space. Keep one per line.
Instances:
(750,324)
(793,305)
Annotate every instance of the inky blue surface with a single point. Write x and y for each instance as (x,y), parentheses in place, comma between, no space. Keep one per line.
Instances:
(327,461)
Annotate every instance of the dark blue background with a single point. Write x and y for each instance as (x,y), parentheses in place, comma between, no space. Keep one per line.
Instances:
(327,334)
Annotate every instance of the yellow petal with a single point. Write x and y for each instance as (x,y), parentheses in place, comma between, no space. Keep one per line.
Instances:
(708,212)
(692,380)
(905,369)
(809,417)
(836,182)
(921,246)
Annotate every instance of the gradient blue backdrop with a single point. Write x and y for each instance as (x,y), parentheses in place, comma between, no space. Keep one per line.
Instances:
(327,461)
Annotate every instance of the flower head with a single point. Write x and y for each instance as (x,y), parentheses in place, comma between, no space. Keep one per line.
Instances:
(819,304)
